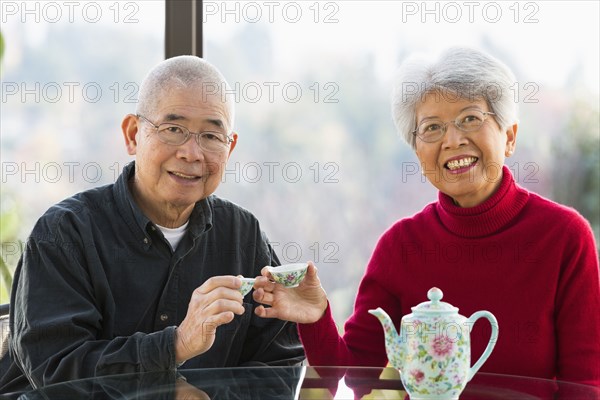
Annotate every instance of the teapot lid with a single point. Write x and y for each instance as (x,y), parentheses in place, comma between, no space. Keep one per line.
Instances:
(435,306)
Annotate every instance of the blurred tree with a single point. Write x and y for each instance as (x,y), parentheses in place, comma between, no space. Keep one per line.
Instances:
(1,45)
(8,231)
(577,162)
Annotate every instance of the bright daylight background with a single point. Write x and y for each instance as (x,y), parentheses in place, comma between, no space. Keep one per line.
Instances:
(318,159)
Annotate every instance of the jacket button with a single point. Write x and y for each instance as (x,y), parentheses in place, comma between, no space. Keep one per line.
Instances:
(146,240)
(164,317)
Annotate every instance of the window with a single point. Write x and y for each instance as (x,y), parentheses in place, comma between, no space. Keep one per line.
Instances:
(70,72)
(318,158)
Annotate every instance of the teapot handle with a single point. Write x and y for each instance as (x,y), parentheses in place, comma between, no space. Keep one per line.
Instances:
(491,343)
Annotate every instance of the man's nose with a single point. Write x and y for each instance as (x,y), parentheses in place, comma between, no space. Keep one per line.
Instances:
(190,150)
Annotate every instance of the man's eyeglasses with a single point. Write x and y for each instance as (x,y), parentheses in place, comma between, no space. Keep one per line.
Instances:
(432,130)
(176,135)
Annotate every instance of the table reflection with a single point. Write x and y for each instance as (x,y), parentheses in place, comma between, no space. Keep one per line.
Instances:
(333,383)
(269,383)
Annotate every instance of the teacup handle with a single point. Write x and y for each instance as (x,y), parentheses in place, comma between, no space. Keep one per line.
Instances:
(492,342)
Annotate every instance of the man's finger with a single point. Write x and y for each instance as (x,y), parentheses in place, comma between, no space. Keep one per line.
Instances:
(223,305)
(228,281)
(203,300)
(220,319)
(210,325)
(263,282)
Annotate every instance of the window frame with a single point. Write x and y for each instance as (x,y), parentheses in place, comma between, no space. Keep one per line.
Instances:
(183,28)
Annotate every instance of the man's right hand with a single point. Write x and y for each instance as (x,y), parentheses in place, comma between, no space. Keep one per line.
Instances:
(214,303)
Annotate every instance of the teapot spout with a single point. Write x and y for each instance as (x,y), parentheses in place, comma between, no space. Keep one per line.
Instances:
(393,346)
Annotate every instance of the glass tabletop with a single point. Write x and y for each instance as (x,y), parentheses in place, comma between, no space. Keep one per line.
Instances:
(294,383)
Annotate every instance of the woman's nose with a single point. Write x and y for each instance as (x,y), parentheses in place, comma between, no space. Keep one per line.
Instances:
(454,137)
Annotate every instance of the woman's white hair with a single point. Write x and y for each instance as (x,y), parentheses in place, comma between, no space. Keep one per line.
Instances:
(184,72)
(459,73)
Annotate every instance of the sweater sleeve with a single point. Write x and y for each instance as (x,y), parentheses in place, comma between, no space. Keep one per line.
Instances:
(577,305)
(56,323)
(363,342)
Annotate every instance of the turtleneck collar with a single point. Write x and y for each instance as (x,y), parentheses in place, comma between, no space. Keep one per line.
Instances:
(488,217)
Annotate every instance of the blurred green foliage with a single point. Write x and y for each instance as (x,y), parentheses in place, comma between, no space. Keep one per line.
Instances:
(1,46)
(577,163)
(8,231)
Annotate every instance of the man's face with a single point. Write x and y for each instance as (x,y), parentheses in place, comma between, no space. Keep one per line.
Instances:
(170,177)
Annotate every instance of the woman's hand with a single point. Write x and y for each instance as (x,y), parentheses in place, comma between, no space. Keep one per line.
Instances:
(304,304)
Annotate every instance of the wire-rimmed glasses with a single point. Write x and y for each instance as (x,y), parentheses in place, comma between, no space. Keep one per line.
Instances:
(432,130)
(176,135)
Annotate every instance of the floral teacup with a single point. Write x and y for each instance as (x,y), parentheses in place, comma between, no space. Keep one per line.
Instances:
(289,275)
(247,284)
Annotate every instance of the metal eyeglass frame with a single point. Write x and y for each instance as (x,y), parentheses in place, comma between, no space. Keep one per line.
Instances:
(187,133)
(456,124)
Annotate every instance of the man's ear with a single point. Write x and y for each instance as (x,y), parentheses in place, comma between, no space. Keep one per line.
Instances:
(232,145)
(130,126)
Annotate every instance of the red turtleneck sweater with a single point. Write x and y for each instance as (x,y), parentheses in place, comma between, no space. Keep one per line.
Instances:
(531,262)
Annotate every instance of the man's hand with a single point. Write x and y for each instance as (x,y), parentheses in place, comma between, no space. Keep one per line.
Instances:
(305,303)
(185,391)
(214,303)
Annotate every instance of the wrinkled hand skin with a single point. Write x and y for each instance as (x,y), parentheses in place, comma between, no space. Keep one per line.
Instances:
(185,391)
(304,304)
(213,304)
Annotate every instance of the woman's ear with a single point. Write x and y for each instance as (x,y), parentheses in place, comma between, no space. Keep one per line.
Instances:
(511,140)
(130,126)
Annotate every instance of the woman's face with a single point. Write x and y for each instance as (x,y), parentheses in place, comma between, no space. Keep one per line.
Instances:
(466,166)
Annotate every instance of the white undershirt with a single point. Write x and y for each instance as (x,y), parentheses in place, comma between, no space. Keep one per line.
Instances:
(173,235)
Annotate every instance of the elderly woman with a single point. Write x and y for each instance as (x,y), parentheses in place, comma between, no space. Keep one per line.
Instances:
(486,242)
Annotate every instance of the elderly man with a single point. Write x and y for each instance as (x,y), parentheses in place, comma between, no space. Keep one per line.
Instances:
(143,275)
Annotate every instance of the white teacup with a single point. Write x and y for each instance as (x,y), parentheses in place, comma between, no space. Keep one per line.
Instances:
(289,275)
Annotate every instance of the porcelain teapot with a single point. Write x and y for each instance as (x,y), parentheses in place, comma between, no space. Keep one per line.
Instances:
(433,349)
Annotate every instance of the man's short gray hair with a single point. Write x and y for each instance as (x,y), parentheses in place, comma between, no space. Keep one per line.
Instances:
(459,73)
(183,72)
